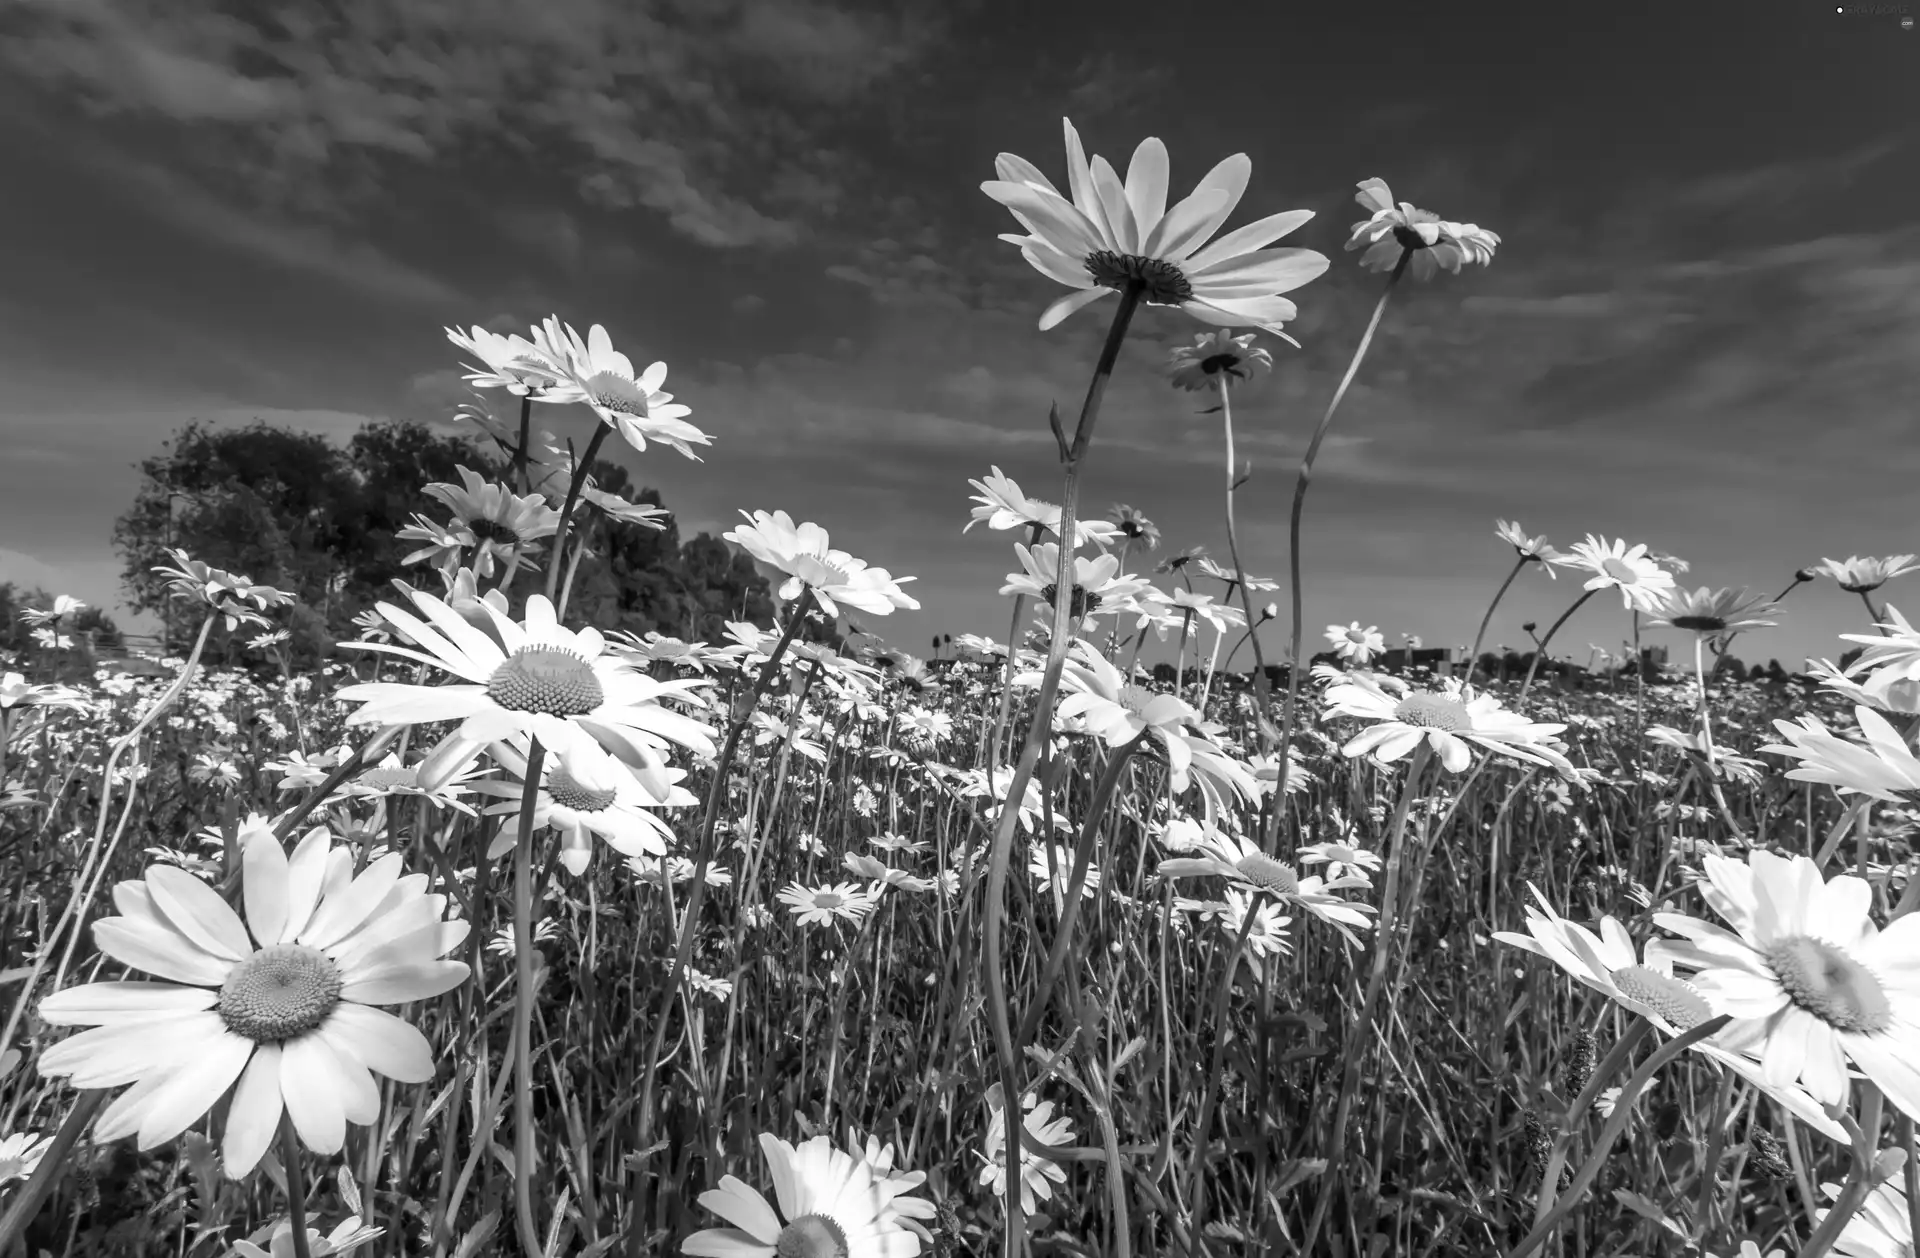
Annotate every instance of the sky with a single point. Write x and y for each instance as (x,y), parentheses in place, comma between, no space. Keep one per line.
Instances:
(1701,329)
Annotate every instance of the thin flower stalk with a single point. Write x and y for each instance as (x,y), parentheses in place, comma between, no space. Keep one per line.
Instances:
(1540,648)
(1291,720)
(1196,1172)
(523,959)
(1262,687)
(1073,455)
(572,499)
(53,1166)
(1480,635)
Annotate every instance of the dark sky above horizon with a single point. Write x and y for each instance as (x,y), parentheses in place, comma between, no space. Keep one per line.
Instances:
(1701,331)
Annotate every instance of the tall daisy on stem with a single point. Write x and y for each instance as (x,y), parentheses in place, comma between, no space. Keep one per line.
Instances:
(1121,237)
(1215,362)
(1397,237)
(1528,550)
(1707,614)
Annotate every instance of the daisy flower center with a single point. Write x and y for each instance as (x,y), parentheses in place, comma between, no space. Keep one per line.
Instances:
(1700,624)
(1268,874)
(1084,600)
(1216,364)
(615,392)
(1432,712)
(1135,698)
(493,531)
(547,679)
(817,572)
(1356,637)
(565,790)
(1829,984)
(811,1236)
(280,993)
(1166,284)
(1131,528)
(1620,570)
(1411,237)
(1678,1002)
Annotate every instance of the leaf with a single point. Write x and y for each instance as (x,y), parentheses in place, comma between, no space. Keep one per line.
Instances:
(1648,1210)
(477,1235)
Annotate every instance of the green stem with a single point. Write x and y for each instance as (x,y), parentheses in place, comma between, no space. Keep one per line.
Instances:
(297,1188)
(1202,1137)
(1262,689)
(1540,647)
(1293,544)
(523,1153)
(1473,655)
(1861,1177)
(600,431)
(53,1164)
(1014,1240)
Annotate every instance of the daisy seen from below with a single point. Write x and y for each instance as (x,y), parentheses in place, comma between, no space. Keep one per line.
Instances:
(1354,644)
(830,1206)
(1882,767)
(1216,360)
(1880,690)
(1107,234)
(501,521)
(1707,612)
(800,554)
(1811,982)
(1893,653)
(1611,964)
(1098,587)
(527,677)
(1449,722)
(819,906)
(1642,583)
(1135,528)
(631,404)
(1038,1173)
(1856,575)
(1529,548)
(600,797)
(512,363)
(1002,505)
(1241,862)
(1429,243)
(289,1024)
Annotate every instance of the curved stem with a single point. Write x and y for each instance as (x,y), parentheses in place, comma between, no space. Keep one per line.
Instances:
(1540,648)
(999,1019)
(1473,655)
(1383,934)
(703,856)
(53,1164)
(1861,1177)
(1070,910)
(1293,544)
(1262,689)
(297,1188)
(600,431)
(523,1154)
(1622,1112)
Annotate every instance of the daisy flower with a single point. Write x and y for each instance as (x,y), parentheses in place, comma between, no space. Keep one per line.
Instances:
(16,693)
(64,605)
(1611,964)
(1002,505)
(1882,1229)
(1883,690)
(1110,234)
(1708,612)
(1216,359)
(818,906)
(1431,243)
(1893,653)
(512,363)
(1533,548)
(350,1235)
(631,404)
(800,554)
(1038,1173)
(1862,576)
(526,677)
(1241,862)
(1053,865)
(1343,860)
(1642,582)
(1098,587)
(831,1206)
(500,521)
(1811,982)
(604,798)
(1451,724)
(277,1008)
(233,596)
(20,1154)
(1883,768)
(1266,936)
(898,1183)
(1136,528)
(1354,644)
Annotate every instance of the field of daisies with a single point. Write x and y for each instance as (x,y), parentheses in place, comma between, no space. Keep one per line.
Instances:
(498,934)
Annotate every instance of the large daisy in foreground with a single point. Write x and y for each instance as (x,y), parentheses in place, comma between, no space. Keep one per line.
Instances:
(527,678)
(280,1004)
(1811,982)
(831,1206)
(1108,233)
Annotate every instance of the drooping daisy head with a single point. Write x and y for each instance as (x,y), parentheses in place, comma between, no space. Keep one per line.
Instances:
(1531,548)
(1707,612)
(1110,235)
(1218,360)
(1856,575)
(1397,231)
